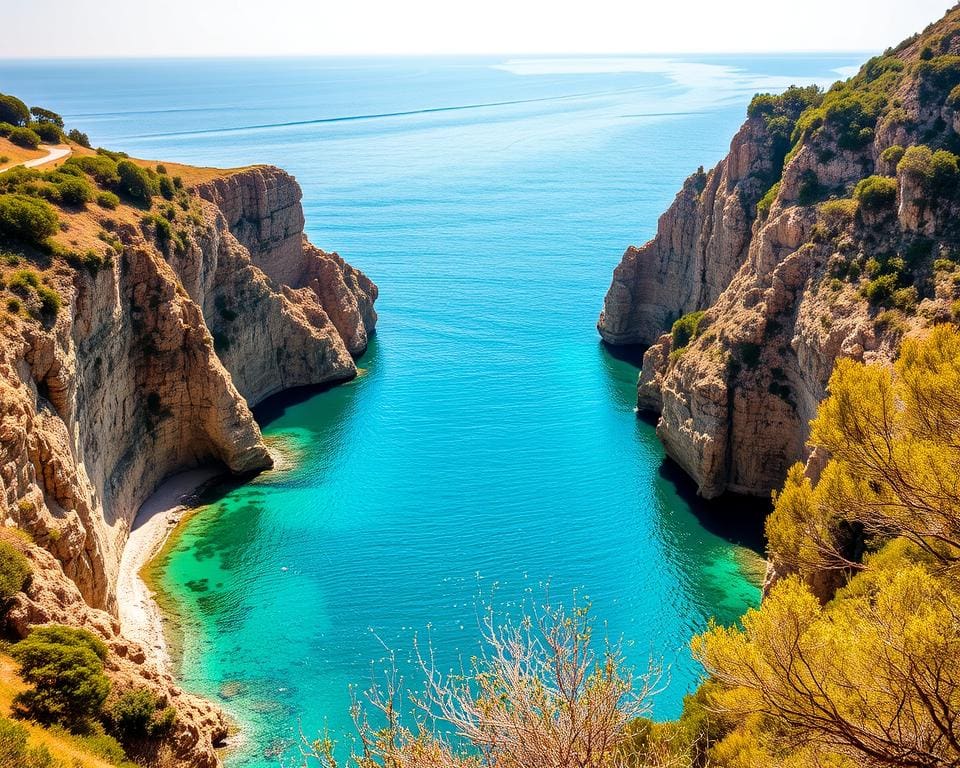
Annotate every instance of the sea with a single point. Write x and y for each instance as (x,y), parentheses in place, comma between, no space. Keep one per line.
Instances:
(488,457)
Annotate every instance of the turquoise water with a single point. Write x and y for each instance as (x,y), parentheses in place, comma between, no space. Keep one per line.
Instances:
(490,447)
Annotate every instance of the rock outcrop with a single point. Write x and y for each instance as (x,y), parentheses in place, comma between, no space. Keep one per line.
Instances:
(791,268)
(152,366)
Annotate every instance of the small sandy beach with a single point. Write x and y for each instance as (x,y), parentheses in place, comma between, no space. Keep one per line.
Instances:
(140,618)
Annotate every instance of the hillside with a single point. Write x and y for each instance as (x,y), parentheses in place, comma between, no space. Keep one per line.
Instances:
(144,310)
(829,230)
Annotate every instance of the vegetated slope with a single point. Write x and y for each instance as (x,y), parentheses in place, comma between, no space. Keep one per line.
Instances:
(829,230)
(144,309)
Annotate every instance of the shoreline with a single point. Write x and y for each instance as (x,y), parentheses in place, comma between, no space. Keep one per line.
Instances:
(141,618)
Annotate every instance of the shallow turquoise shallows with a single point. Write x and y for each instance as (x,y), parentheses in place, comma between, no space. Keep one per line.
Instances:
(490,447)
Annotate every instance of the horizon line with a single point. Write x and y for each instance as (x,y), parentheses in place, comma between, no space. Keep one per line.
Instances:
(299,56)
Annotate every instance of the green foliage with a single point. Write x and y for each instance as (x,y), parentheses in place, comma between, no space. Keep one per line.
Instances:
(875,193)
(15,751)
(138,714)
(839,212)
(79,137)
(936,171)
(103,169)
(766,202)
(23,281)
(686,329)
(167,190)
(74,190)
(13,111)
(938,74)
(14,570)
(27,218)
(108,200)
(42,115)
(161,226)
(892,155)
(65,667)
(49,133)
(847,110)
(135,181)
(24,137)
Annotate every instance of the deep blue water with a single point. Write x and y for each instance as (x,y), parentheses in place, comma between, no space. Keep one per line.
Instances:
(490,446)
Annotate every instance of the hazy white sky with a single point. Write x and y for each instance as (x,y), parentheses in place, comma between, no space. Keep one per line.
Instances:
(304,27)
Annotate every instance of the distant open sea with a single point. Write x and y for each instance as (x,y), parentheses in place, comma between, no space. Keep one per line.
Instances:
(489,450)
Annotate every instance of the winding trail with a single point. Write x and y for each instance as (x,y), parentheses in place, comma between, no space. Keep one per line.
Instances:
(54,152)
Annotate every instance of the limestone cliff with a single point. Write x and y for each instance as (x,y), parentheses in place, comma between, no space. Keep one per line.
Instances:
(152,366)
(794,264)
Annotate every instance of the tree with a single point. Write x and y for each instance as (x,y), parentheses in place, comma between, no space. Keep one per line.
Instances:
(13,111)
(65,667)
(135,181)
(46,116)
(873,677)
(27,218)
(538,696)
(14,570)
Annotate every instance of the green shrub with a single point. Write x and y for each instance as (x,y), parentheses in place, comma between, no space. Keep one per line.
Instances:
(14,570)
(161,226)
(137,715)
(24,137)
(848,110)
(13,305)
(763,207)
(15,751)
(64,666)
(27,218)
(103,169)
(5,129)
(686,329)
(876,192)
(166,187)
(936,171)
(880,290)
(48,132)
(50,301)
(892,155)
(79,137)
(74,190)
(13,111)
(108,200)
(840,211)
(135,181)
(23,281)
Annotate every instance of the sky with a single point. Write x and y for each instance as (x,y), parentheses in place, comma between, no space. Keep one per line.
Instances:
(107,28)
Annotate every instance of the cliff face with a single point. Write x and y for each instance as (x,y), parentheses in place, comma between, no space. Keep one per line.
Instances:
(792,267)
(151,367)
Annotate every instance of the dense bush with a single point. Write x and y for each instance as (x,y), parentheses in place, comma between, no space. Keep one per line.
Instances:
(685,330)
(166,187)
(102,168)
(14,570)
(27,218)
(79,137)
(850,112)
(108,200)
(74,190)
(64,666)
(876,192)
(138,715)
(892,155)
(24,137)
(15,751)
(135,181)
(13,111)
(49,133)
(936,171)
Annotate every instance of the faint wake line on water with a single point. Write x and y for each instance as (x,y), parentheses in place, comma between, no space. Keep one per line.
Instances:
(381,115)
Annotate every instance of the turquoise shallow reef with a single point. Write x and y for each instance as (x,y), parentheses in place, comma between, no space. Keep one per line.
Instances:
(490,447)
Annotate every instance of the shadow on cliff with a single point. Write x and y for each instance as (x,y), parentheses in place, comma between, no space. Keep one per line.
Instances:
(627,353)
(738,519)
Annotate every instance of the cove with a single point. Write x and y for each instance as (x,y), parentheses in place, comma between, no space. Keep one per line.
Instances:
(490,448)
